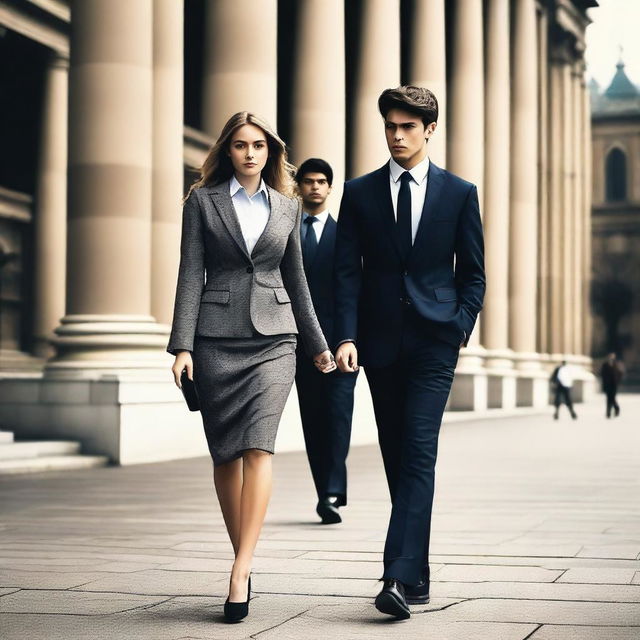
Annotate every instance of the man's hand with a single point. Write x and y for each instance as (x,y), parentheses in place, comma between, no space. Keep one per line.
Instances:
(183,361)
(347,357)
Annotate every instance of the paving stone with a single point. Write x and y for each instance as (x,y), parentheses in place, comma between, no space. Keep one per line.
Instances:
(349,621)
(87,604)
(599,576)
(488,573)
(554,632)
(627,552)
(537,591)
(157,582)
(42,580)
(549,612)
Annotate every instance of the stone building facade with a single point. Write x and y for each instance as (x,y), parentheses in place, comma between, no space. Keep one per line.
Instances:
(616,222)
(90,215)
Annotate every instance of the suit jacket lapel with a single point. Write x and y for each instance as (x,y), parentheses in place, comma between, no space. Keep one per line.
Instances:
(326,239)
(224,205)
(275,205)
(382,194)
(435,180)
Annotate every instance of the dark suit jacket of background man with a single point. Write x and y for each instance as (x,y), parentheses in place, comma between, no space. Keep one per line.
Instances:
(326,401)
(408,315)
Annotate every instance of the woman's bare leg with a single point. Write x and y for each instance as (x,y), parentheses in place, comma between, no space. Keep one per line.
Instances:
(228,481)
(256,491)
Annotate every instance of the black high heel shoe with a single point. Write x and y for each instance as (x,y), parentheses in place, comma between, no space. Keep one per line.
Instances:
(236,611)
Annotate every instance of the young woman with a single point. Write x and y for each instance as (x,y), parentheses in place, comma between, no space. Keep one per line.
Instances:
(235,332)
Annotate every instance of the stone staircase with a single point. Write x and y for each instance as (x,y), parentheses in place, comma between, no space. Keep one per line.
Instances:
(43,455)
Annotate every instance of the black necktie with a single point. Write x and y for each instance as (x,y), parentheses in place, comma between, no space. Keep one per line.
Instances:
(310,244)
(403,223)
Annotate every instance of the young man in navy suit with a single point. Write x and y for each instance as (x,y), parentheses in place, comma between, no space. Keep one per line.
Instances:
(326,401)
(410,281)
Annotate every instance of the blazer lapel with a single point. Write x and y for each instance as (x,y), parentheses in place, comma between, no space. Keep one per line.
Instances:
(326,239)
(382,193)
(275,206)
(224,205)
(435,180)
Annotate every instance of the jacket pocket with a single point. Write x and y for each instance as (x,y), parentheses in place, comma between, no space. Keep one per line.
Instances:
(281,295)
(446,294)
(218,296)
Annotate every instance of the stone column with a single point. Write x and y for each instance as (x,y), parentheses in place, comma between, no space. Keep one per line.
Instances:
(555,200)
(240,61)
(495,315)
(544,229)
(378,68)
(524,187)
(578,211)
(427,65)
(168,173)
(568,302)
(50,239)
(465,131)
(465,157)
(318,106)
(587,196)
(108,325)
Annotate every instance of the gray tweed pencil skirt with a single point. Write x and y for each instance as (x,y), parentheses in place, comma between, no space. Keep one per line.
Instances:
(242,386)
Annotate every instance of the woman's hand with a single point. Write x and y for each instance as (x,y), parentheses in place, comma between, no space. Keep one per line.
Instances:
(183,361)
(324,362)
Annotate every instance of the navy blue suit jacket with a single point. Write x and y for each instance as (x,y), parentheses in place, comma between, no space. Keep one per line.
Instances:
(320,278)
(443,278)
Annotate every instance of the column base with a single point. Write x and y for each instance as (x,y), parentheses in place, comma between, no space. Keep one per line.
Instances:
(90,345)
(130,419)
(469,390)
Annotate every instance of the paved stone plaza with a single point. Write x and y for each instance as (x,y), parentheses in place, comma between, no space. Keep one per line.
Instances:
(536,535)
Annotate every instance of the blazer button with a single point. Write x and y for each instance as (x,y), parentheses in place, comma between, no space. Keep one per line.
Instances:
(249,269)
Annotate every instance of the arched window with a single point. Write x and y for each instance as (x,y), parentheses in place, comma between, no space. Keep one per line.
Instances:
(616,174)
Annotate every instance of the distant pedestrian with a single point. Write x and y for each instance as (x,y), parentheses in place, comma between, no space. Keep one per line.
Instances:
(611,372)
(562,378)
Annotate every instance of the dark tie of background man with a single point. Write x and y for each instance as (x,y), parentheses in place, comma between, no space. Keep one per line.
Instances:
(310,245)
(403,225)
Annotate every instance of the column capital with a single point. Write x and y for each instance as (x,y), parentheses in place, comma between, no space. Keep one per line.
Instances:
(57,60)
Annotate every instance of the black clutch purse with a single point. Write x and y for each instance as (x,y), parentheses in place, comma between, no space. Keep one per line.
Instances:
(189,392)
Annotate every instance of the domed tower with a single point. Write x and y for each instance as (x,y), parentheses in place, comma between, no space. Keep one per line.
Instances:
(616,221)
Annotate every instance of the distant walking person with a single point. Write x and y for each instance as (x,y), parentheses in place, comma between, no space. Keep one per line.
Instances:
(611,372)
(235,332)
(562,377)
(326,401)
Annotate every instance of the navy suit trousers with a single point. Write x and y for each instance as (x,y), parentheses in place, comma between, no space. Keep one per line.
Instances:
(409,397)
(326,409)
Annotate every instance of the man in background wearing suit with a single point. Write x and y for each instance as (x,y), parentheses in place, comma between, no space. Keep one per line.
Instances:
(326,401)
(409,285)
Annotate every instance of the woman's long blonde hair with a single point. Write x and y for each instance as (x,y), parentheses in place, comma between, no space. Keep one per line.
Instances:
(277,173)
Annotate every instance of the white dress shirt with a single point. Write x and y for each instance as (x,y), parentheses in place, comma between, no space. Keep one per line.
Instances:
(317,226)
(253,212)
(565,376)
(417,186)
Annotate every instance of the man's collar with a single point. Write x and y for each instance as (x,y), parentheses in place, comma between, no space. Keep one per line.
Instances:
(418,173)
(235,186)
(320,217)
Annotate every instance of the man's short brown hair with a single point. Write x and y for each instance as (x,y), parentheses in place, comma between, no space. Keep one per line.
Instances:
(417,100)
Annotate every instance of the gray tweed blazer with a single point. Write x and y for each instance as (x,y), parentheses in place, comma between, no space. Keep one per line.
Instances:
(265,292)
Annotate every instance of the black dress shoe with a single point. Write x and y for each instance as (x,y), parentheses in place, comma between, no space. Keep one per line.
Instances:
(327,509)
(420,593)
(391,600)
(236,611)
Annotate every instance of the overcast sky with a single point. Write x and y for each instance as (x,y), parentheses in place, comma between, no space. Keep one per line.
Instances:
(615,23)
